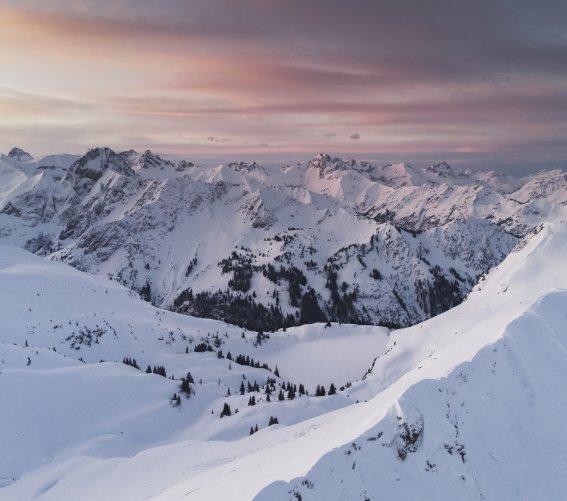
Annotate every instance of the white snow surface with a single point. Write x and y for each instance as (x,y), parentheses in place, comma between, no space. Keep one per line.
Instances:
(466,405)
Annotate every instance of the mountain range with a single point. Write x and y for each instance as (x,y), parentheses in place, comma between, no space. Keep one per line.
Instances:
(264,248)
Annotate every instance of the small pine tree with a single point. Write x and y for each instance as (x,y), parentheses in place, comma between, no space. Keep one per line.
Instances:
(149,370)
(290,393)
(277,372)
(332,389)
(242,389)
(226,410)
(281,396)
(176,400)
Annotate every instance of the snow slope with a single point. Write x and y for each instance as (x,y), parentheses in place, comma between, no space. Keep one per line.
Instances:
(465,403)
(62,339)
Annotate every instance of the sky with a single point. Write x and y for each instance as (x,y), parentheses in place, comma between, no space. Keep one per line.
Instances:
(479,83)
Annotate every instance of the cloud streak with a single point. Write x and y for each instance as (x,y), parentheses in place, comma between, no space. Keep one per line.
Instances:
(298,76)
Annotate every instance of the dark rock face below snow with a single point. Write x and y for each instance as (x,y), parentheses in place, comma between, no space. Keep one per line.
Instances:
(19,154)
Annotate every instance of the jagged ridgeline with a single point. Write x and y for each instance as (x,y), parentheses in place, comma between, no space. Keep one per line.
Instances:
(265,248)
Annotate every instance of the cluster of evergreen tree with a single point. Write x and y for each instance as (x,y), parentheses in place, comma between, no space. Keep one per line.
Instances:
(190,266)
(176,400)
(341,306)
(310,312)
(290,391)
(250,387)
(246,360)
(273,420)
(241,268)
(185,385)
(234,309)
(439,295)
(253,429)
(294,277)
(252,400)
(226,411)
(202,347)
(260,338)
(269,388)
(129,361)
(321,392)
(159,369)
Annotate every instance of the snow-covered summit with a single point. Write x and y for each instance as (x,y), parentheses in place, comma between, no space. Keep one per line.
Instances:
(20,155)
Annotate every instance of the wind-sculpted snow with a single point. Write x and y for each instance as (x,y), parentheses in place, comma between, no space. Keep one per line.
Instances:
(493,428)
(264,248)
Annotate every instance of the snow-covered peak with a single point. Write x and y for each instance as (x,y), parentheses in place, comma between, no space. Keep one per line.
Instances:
(149,160)
(326,164)
(98,160)
(399,175)
(20,155)
(243,166)
(545,184)
(442,167)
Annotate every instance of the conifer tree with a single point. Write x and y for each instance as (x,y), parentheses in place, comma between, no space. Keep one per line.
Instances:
(226,410)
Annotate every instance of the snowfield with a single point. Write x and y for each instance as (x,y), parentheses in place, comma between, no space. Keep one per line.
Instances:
(466,404)
(328,330)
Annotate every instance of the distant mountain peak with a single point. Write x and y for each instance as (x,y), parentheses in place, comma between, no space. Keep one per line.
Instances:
(97,160)
(326,164)
(149,159)
(440,167)
(19,154)
(243,166)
